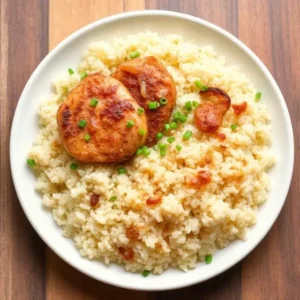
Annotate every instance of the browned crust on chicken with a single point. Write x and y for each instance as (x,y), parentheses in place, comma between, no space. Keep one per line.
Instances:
(148,80)
(208,116)
(110,139)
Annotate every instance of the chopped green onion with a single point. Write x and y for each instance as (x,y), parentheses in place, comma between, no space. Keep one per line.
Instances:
(257,96)
(142,132)
(178,148)
(73,166)
(162,149)
(83,75)
(198,84)
(139,151)
(71,72)
(208,259)
(173,125)
(187,135)
(143,150)
(134,54)
(145,273)
(140,110)
(167,126)
(153,105)
(188,106)
(122,170)
(146,150)
(93,102)
(82,123)
(204,88)
(195,103)
(159,136)
(130,124)
(170,139)
(179,117)
(163,101)
(155,147)
(233,127)
(113,198)
(87,137)
(65,89)
(31,162)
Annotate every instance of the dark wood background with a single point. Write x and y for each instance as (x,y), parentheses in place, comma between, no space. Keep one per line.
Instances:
(28,270)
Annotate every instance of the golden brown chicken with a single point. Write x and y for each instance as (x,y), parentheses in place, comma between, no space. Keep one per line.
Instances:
(153,87)
(99,121)
(208,116)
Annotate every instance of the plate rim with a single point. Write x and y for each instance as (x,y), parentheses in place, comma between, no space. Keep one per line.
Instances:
(133,14)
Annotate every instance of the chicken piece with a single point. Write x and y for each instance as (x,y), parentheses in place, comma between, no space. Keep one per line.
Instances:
(148,80)
(105,131)
(208,116)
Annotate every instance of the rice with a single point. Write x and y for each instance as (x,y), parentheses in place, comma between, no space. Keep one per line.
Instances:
(189,223)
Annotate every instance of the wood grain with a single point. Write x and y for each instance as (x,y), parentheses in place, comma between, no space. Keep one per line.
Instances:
(22,46)
(269,27)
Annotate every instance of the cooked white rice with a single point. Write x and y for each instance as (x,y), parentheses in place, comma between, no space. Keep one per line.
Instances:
(190,223)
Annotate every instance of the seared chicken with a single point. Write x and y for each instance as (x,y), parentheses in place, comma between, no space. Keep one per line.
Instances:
(99,122)
(208,116)
(149,81)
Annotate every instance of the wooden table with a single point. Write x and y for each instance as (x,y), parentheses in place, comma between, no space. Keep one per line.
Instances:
(29,29)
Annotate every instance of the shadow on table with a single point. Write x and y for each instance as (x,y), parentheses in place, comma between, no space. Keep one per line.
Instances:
(65,281)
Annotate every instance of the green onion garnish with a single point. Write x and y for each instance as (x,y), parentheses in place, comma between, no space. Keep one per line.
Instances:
(163,101)
(188,106)
(159,136)
(170,139)
(93,102)
(208,258)
(233,127)
(142,132)
(145,273)
(113,198)
(153,105)
(73,166)
(173,125)
(82,123)
(195,103)
(257,96)
(130,124)
(31,162)
(139,151)
(65,89)
(162,149)
(143,150)
(198,84)
(71,72)
(122,170)
(187,135)
(178,148)
(179,117)
(140,110)
(167,126)
(83,75)
(146,150)
(134,54)
(87,137)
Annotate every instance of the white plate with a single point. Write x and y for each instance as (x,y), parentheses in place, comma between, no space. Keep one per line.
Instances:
(68,54)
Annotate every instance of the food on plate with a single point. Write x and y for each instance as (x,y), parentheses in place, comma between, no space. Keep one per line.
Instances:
(153,87)
(98,121)
(191,189)
(209,114)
